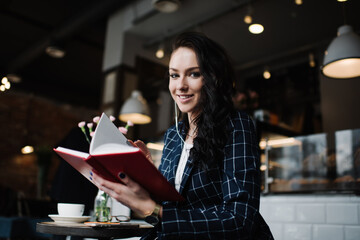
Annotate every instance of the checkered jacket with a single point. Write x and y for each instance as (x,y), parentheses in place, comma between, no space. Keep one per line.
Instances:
(220,204)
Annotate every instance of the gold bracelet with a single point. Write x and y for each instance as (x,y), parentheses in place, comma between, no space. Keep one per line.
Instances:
(153,218)
(154,212)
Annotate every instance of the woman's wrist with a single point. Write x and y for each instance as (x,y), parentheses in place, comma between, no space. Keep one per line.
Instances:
(149,209)
(161,212)
(155,215)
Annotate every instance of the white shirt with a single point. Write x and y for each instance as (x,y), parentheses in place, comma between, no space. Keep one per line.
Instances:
(182,163)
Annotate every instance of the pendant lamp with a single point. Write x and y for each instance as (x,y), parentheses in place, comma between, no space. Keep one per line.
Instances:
(166,6)
(342,58)
(135,109)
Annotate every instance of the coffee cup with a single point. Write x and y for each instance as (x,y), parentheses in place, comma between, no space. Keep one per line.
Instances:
(70,209)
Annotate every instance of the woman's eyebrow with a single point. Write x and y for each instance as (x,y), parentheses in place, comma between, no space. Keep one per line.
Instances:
(192,68)
(188,69)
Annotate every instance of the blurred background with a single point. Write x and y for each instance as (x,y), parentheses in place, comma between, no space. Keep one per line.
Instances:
(69,61)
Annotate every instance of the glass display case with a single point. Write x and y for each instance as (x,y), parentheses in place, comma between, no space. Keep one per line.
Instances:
(312,163)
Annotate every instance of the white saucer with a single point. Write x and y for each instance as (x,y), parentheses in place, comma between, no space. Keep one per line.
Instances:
(68,219)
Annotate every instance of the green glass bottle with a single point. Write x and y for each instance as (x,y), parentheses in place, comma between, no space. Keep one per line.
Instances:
(102,207)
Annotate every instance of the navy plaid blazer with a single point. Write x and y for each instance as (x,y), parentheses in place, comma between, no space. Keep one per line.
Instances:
(219,203)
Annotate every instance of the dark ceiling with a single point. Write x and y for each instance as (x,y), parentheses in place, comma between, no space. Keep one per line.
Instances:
(77,26)
(27,27)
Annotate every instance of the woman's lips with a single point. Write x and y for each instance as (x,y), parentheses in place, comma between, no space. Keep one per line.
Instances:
(185,98)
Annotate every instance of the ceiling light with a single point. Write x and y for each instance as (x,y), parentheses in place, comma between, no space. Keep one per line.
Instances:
(266,73)
(312,60)
(4,80)
(248,19)
(5,84)
(160,53)
(166,6)
(256,28)
(341,0)
(27,149)
(135,109)
(298,2)
(55,51)
(342,58)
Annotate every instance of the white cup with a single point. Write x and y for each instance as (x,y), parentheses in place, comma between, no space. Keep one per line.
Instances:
(70,209)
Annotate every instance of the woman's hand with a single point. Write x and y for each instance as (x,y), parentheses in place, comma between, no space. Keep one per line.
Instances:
(129,193)
(140,144)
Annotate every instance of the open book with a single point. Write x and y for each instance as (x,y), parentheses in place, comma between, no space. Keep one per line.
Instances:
(110,153)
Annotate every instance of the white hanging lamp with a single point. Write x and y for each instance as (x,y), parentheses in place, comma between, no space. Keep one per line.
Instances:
(166,6)
(342,58)
(135,109)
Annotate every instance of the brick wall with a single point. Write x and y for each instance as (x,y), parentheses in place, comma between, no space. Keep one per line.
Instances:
(40,122)
(313,216)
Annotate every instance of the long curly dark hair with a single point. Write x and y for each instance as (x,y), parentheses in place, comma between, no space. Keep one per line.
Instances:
(215,102)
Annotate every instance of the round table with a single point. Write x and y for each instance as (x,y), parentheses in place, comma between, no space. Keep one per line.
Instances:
(124,230)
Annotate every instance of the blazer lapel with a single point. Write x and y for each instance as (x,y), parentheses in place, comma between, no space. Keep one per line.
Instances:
(187,172)
(176,152)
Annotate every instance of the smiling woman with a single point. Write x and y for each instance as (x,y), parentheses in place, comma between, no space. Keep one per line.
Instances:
(211,156)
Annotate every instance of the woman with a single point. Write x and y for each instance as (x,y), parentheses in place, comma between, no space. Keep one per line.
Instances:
(211,156)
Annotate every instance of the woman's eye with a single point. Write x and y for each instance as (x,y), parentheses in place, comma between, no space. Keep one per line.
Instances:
(195,74)
(173,75)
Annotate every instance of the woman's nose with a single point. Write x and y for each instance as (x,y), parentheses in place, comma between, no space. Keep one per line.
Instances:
(182,83)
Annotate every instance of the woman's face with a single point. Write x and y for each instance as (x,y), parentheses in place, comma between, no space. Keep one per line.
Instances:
(186,80)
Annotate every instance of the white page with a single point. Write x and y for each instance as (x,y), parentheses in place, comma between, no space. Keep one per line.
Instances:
(108,139)
(73,152)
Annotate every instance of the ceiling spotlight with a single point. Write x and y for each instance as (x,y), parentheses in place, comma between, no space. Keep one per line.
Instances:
(298,2)
(4,80)
(5,84)
(166,6)
(312,60)
(248,19)
(341,0)
(266,73)
(160,53)
(55,51)
(27,149)
(256,28)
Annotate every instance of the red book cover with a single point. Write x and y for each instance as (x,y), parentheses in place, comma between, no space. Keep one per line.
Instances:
(110,153)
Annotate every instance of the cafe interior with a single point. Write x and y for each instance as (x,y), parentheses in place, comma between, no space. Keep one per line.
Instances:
(297,66)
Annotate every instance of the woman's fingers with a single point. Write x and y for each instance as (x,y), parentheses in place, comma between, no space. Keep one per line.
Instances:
(132,143)
(124,179)
(101,182)
(130,193)
(140,144)
(127,185)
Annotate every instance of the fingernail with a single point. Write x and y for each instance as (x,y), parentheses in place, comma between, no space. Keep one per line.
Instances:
(122,175)
(90,178)
(91,173)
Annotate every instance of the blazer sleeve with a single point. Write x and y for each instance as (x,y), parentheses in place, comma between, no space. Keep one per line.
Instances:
(236,215)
